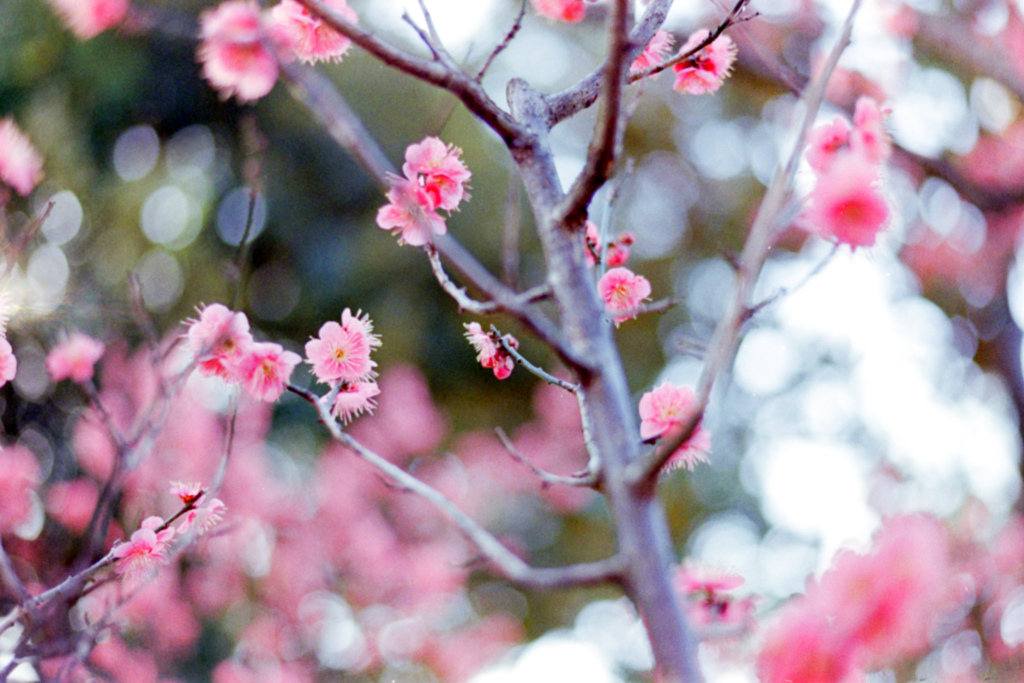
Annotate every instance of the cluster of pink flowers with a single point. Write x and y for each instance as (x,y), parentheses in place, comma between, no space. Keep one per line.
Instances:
(569,11)
(847,204)
(866,611)
(705,71)
(225,348)
(618,249)
(75,358)
(138,557)
(201,516)
(241,44)
(340,356)
(21,167)
(89,18)
(434,178)
(489,349)
(623,291)
(665,408)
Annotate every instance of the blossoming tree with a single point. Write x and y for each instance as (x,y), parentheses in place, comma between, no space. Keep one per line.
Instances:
(162,513)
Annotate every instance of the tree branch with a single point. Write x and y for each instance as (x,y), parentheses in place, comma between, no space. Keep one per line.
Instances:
(587,479)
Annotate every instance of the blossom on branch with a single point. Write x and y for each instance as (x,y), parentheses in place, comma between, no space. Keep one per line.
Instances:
(354,399)
(74,358)
(704,72)
(89,18)
(489,351)
(618,250)
(234,52)
(309,36)
(846,203)
(708,599)
(221,338)
(265,369)
(622,292)
(665,408)
(341,352)
(203,517)
(825,141)
(147,549)
(410,212)
(655,52)
(437,168)
(21,167)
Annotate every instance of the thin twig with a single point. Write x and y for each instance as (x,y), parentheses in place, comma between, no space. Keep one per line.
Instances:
(516,25)
(533,369)
(586,479)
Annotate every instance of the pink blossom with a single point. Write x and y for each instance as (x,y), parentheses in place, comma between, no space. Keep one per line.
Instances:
(410,212)
(72,503)
(354,399)
(845,204)
(704,72)
(437,168)
(708,599)
(655,52)
(188,492)
(20,475)
(489,352)
(233,53)
(21,167)
(666,407)
(265,369)
(8,363)
(75,358)
(825,141)
(618,250)
(802,646)
(622,291)
(342,352)
(220,337)
(309,37)
(89,18)
(570,11)
(147,548)
(869,136)
(203,518)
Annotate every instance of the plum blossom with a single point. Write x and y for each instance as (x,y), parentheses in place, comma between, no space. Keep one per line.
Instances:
(354,399)
(708,597)
(869,135)
(203,517)
(341,352)
(146,549)
(8,363)
(75,358)
(570,11)
(309,37)
(89,18)
(668,406)
(655,52)
(622,292)
(618,250)
(221,338)
(21,167)
(704,72)
(265,368)
(489,351)
(410,212)
(437,168)
(825,141)
(846,203)
(188,492)
(233,52)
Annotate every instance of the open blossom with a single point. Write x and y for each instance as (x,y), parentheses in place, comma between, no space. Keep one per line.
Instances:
(309,37)
(655,52)
(75,358)
(410,212)
(825,141)
(489,351)
(265,369)
(570,11)
(668,406)
(233,54)
(144,552)
(705,71)
(437,168)
(21,167)
(622,291)
(342,351)
(846,203)
(203,517)
(188,492)
(221,337)
(354,399)
(8,363)
(89,18)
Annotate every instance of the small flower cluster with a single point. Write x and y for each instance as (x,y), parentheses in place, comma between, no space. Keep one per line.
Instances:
(75,358)
(846,204)
(434,178)
(198,517)
(705,71)
(21,167)
(340,356)
(224,348)
(489,349)
(241,45)
(618,249)
(666,407)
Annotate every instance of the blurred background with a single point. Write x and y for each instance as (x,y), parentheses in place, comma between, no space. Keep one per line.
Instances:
(882,380)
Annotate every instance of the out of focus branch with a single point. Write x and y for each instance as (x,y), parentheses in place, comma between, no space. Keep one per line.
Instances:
(586,479)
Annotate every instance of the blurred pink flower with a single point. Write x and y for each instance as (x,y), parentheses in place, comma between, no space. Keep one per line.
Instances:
(309,37)
(869,136)
(89,18)
(355,398)
(410,212)
(622,292)
(8,363)
(704,72)
(571,11)
(846,204)
(20,476)
(221,338)
(265,370)
(72,503)
(489,352)
(21,167)
(437,168)
(803,646)
(668,406)
(235,58)
(75,358)
(341,352)
(708,600)
(825,141)
(188,492)
(655,52)
(137,557)
(203,518)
